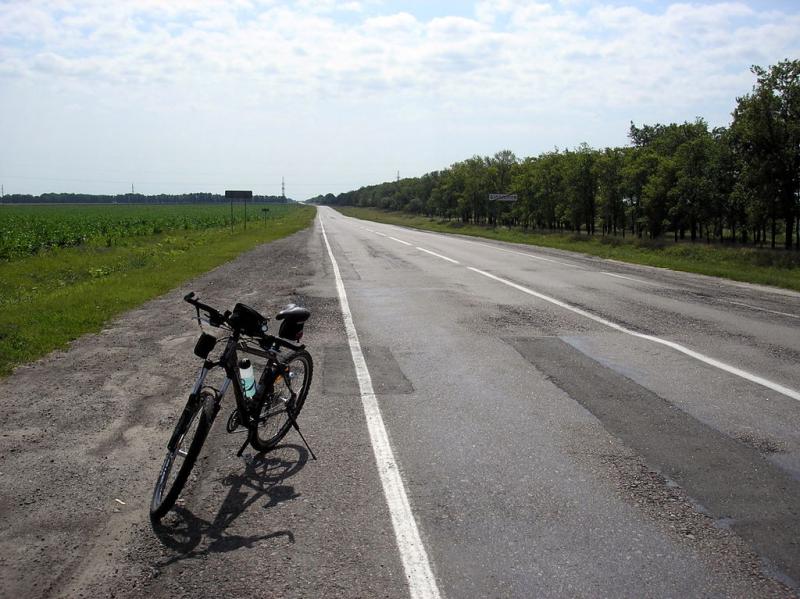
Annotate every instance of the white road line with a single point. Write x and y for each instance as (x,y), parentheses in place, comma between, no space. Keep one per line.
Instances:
(421,582)
(438,255)
(754,378)
(381,234)
(399,240)
(762,309)
(613,274)
(527,255)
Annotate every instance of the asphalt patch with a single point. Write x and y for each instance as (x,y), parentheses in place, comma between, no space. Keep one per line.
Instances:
(729,478)
(387,377)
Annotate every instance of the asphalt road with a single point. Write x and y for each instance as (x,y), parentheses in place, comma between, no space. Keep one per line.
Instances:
(566,425)
(547,425)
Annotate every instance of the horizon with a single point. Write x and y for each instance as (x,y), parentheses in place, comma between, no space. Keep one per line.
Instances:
(191,97)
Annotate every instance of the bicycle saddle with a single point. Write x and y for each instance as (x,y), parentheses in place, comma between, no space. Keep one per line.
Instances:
(294,313)
(293,317)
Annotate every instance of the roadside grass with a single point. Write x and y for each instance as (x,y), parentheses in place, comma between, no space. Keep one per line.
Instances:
(751,265)
(54,297)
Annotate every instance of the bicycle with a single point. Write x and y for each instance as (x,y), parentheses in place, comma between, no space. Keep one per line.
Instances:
(266,410)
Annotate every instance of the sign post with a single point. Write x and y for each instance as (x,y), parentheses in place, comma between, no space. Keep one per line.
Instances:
(502,197)
(234,194)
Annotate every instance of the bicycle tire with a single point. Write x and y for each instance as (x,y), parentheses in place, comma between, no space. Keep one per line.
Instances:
(200,414)
(274,422)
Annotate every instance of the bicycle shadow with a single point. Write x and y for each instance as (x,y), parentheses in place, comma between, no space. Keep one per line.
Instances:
(263,475)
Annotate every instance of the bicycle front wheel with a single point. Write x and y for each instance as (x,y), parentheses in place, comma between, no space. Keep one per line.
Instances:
(184,448)
(288,396)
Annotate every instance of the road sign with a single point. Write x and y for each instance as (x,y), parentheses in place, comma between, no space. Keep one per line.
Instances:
(502,197)
(233,194)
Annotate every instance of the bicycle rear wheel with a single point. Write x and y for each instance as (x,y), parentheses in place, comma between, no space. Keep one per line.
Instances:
(182,451)
(287,398)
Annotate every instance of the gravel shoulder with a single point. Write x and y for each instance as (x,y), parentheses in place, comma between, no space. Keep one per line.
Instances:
(82,434)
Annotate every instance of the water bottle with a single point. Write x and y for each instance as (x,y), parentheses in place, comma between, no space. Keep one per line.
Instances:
(248,380)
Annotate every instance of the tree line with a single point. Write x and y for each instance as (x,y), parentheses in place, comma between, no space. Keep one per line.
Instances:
(133,198)
(737,184)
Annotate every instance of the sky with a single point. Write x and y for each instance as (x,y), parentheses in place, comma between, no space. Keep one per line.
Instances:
(206,95)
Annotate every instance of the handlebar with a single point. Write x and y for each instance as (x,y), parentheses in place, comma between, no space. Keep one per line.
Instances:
(215,317)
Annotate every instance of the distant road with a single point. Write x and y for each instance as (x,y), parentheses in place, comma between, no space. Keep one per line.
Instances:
(531,397)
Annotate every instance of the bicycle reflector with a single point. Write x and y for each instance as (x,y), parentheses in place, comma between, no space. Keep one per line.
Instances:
(204,345)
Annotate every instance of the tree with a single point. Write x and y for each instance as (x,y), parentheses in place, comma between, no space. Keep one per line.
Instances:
(608,170)
(766,131)
(581,187)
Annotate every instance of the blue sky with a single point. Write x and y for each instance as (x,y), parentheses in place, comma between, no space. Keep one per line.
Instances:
(204,95)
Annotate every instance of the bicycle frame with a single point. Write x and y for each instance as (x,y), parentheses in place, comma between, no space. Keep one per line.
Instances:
(229,362)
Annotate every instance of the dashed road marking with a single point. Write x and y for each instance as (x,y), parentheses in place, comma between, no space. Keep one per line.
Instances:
(526,254)
(754,378)
(437,255)
(615,275)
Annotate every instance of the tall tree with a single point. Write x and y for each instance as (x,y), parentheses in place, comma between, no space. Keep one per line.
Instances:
(610,190)
(766,129)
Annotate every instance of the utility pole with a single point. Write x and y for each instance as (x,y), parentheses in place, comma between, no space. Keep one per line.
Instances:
(283,188)
(132,192)
(398,176)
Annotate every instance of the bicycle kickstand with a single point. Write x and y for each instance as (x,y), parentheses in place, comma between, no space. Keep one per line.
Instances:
(242,448)
(299,432)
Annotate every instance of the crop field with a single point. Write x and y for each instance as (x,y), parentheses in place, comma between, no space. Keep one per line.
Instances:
(66,270)
(26,230)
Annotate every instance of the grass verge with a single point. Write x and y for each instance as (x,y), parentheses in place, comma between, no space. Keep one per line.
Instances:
(751,265)
(52,298)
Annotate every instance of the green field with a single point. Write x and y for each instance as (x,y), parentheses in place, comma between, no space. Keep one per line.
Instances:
(752,265)
(54,293)
(25,230)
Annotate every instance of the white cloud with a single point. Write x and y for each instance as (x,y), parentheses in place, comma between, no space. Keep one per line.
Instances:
(609,51)
(514,61)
